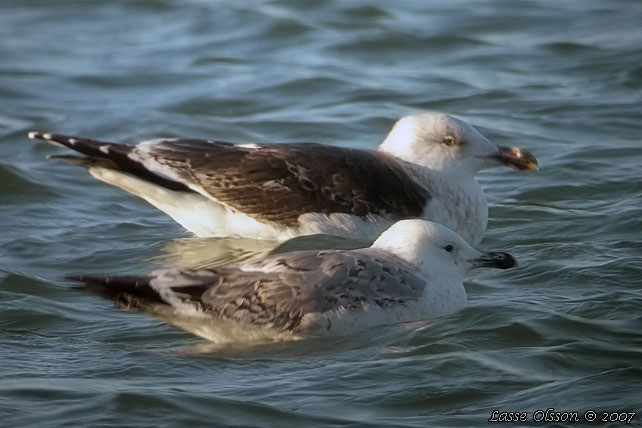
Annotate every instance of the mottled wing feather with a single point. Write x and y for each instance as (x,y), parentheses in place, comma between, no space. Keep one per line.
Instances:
(279,182)
(279,292)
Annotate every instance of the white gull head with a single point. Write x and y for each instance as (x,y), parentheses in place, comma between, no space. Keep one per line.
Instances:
(442,258)
(445,143)
(436,250)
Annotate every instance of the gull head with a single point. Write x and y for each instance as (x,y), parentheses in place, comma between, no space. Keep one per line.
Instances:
(445,143)
(431,248)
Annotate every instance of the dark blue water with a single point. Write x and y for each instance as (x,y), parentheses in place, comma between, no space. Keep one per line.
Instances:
(562,79)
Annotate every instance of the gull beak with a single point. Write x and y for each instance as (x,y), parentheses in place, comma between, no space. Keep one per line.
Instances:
(495,260)
(517,158)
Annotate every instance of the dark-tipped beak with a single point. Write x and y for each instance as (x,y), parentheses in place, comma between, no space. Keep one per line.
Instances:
(495,260)
(517,158)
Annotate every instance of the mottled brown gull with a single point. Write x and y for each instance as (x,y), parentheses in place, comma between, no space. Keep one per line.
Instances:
(425,168)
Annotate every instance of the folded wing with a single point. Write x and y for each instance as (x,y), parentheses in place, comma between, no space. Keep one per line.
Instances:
(269,182)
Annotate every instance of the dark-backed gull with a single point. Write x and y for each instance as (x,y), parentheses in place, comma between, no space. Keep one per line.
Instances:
(425,168)
(413,271)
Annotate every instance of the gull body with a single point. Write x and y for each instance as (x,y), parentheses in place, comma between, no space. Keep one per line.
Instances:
(413,271)
(425,168)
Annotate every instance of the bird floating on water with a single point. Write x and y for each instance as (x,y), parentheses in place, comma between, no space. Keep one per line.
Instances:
(413,271)
(425,168)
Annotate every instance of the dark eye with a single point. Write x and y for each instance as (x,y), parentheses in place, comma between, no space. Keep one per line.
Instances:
(449,140)
(448,248)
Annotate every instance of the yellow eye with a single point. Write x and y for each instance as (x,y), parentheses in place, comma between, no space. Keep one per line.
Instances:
(449,140)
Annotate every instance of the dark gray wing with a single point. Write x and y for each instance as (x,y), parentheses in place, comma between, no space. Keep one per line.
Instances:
(280,182)
(269,182)
(276,292)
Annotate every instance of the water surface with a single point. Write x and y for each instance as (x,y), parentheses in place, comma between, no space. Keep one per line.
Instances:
(562,79)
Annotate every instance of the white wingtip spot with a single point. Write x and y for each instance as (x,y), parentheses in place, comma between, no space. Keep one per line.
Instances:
(72,141)
(46,136)
(104,149)
(32,135)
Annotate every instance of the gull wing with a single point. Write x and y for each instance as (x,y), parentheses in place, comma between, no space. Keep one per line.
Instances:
(269,182)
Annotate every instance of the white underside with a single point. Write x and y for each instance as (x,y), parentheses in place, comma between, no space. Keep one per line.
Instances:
(206,217)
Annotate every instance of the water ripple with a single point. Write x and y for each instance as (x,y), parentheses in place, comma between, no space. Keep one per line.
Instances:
(562,331)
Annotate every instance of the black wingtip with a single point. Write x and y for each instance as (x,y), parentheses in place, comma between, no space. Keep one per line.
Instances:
(60,140)
(33,135)
(114,287)
(86,146)
(96,284)
(107,155)
(48,136)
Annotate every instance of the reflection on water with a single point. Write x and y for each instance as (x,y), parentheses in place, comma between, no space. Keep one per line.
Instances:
(387,337)
(196,253)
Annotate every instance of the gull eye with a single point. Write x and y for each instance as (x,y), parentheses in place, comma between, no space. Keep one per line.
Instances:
(448,248)
(449,140)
